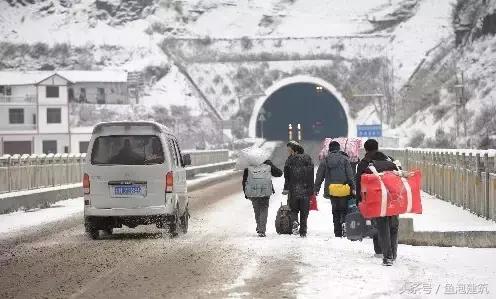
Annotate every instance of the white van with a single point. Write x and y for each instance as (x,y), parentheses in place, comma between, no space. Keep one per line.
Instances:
(134,174)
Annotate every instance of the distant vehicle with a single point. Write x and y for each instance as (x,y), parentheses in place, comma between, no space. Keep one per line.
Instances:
(134,175)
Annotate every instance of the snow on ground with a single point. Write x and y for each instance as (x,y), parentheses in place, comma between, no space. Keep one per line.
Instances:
(66,208)
(439,215)
(322,265)
(335,17)
(173,89)
(36,217)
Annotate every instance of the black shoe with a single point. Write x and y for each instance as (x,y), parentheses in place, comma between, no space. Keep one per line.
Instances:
(261,235)
(387,262)
(303,235)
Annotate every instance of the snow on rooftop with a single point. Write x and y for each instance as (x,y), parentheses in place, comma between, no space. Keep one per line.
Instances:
(34,77)
(23,78)
(94,76)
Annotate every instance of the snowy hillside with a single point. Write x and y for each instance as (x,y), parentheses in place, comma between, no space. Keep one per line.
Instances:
(450,99)
(103,34)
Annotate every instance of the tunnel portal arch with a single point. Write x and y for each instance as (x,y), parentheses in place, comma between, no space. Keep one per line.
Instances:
(301,79)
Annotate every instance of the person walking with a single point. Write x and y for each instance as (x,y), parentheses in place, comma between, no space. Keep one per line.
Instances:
(298,185)
(257,186)
(336,170)
(386,241)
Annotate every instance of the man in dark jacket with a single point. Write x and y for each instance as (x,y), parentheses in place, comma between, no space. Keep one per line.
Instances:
(386,242)
(298,184)
(261,205)
(336,169)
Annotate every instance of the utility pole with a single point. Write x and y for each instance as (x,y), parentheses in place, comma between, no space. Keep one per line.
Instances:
(461,105)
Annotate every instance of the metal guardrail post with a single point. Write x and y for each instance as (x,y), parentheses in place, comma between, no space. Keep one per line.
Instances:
(39,171)
(478,204)
(486,186)
(9,174)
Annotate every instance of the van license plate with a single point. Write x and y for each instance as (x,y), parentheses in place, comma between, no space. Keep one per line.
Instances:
(128,191)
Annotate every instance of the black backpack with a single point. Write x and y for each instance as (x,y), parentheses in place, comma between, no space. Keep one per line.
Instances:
(284,220)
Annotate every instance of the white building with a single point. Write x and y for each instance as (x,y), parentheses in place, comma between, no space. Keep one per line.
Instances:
(34,108)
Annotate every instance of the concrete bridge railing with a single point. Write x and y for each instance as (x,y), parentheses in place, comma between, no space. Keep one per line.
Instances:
(28,172)
(463,177)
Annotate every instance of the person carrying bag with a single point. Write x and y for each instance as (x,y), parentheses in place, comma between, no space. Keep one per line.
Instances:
(336,170)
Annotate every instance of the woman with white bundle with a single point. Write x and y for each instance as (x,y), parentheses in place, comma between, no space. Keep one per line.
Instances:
(257,183)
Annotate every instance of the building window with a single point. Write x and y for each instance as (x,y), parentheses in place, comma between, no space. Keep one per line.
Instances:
(49,146)
(83,146)
(100,95)
(54,116)
(52,91)
(2,89)
(34,119)
(8,90)
(17,147)
(16,116)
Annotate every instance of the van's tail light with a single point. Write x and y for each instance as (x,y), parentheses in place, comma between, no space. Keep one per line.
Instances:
(86,184)
(169,182)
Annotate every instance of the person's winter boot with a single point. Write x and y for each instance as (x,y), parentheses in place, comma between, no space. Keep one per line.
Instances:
(387,262)
(303,234)
(378,255)
(261,235)
(295,228)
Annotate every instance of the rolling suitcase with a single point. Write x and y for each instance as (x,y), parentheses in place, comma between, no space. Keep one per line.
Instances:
(355,226)
(284,220)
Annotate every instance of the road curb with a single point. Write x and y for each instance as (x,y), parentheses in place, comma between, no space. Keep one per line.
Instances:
(470,239)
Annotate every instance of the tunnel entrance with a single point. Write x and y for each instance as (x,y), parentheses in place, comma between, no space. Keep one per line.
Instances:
(314,107)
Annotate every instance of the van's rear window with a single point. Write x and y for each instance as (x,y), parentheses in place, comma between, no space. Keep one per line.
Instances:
(127,150)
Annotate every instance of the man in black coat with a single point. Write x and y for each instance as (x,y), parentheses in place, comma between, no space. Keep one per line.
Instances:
(299,184)
(386,241)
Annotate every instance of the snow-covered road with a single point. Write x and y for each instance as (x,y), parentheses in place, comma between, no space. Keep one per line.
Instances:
(222,257)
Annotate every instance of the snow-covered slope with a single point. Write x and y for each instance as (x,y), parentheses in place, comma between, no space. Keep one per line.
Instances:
(450,99)
(127,35)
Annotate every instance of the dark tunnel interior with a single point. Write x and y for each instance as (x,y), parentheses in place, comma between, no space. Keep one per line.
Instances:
(314,107)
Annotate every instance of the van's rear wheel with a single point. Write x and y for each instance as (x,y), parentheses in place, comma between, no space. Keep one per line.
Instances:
(173,230)
(91,230)
(185,221)
(173,223)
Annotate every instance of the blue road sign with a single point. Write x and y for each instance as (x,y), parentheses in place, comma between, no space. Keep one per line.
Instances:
(369,130)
